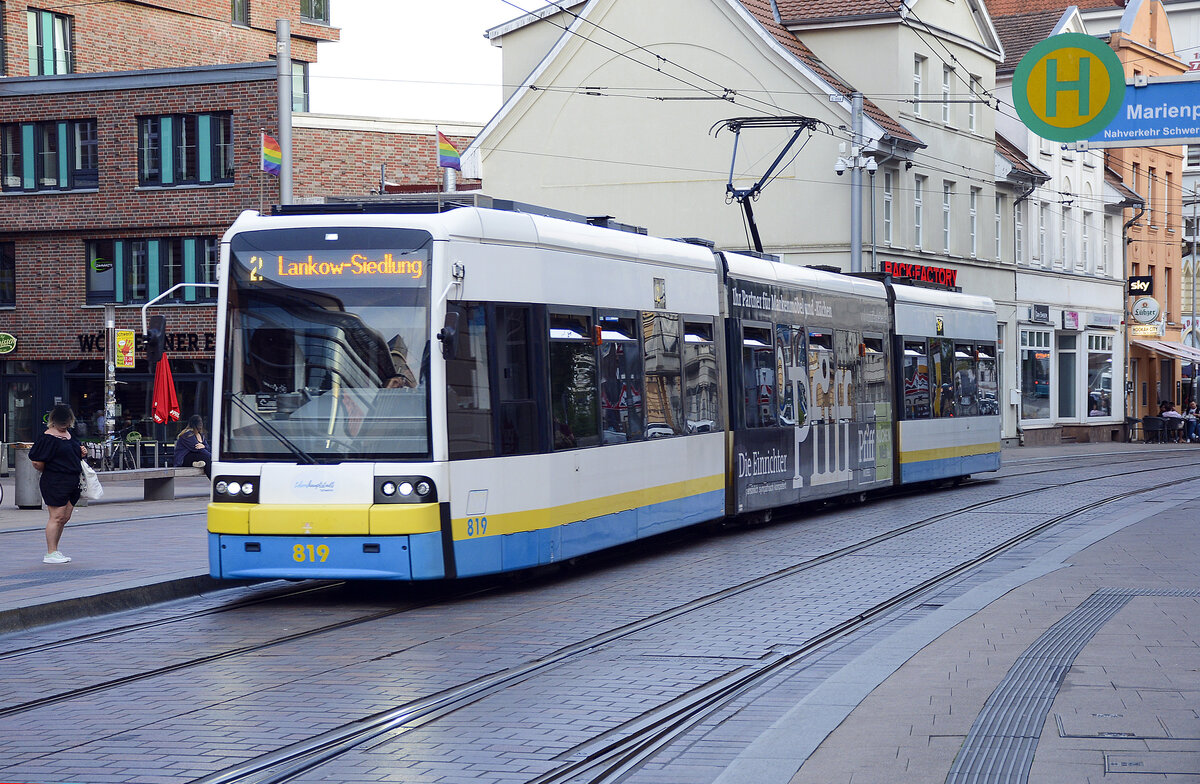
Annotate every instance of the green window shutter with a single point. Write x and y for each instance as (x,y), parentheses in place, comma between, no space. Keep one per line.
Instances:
(28,157)
(166,139)
(152,269)
(47,42)
(204,147)
(189,268)
(119,270)
(64,155)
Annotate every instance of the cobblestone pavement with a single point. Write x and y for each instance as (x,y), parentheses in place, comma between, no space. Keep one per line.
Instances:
(178,726)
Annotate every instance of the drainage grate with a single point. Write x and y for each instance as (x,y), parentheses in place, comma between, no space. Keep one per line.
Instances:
(1004,737)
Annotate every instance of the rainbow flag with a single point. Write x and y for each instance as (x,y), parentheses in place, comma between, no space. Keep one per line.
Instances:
(272,156)
(447,153)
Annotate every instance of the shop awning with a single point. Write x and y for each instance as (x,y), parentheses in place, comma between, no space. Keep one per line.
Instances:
(1186,353)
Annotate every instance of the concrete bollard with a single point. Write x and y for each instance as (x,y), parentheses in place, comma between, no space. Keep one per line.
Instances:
(26,493)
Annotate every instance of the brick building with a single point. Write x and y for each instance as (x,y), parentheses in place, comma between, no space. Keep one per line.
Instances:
(129,141)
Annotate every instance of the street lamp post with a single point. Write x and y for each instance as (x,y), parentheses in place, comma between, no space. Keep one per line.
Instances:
(857,163)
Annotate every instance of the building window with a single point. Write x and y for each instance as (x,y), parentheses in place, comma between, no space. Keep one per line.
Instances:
(138,269)
(1193,155)
(1102,265)
(299,86)
(947,72)
(973,213)
(972,107)
(1085,249)
(3,49)
(8,274)
(240,12)
(50,50)
(999,221)
(185,149)
(1035,374)
(1151,204)
(1066,376)
(1135,177)
(315,11)
(918,210)
(1067,220)
(887,207)
(1043,251)
(1167,195)
(59,155)
(918,71)
(1019,233)
(947,193)
(1100,374)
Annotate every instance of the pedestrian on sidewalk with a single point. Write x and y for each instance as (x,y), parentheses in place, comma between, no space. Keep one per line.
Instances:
(59,456)
(190,448)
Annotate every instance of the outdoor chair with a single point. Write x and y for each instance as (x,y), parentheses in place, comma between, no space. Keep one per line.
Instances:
(1173,429)
(1153,430)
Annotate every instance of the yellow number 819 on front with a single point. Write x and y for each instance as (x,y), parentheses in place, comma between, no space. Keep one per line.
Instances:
(303,553)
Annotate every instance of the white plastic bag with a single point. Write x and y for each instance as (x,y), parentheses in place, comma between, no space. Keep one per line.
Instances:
(92,489)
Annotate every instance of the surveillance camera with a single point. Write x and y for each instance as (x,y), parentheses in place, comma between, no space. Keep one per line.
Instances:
(840,167)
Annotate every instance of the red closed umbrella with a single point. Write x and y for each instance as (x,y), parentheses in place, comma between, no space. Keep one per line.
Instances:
(165,406)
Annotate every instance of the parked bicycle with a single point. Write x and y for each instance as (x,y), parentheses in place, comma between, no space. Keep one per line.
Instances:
(114,454)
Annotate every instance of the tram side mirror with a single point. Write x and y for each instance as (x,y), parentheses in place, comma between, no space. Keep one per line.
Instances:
(448,334)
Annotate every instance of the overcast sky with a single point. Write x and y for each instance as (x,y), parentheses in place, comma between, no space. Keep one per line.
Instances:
(412,60)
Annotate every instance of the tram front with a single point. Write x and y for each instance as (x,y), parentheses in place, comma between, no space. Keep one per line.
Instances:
(324,463)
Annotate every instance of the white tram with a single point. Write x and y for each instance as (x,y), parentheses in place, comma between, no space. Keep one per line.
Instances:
(424,396)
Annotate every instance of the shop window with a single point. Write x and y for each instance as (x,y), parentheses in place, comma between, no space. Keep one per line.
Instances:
(1066,376)
(664,388)
(315,11)
(185,149)
(758,376)
(468,391)
(1035,374)
(8,274)
(44,156)
(50,49)
(574,408)
(620,378)
(1100,374)
(701,379)
(916,380)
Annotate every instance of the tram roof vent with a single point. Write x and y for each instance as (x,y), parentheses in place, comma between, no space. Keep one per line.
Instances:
(695,241)
(757,255)
(826,268)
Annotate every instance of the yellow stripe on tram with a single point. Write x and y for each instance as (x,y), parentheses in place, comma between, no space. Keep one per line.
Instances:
(944,452)
(537,519)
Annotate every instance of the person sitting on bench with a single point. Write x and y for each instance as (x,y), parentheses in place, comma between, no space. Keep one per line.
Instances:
(190,447)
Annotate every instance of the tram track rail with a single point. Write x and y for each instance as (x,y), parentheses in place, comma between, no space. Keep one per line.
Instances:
(616,760)
(166,670)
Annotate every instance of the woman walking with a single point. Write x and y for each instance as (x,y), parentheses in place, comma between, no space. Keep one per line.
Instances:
(59,457)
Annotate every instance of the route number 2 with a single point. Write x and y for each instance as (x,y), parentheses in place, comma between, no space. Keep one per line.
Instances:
(476,526)
(302,553)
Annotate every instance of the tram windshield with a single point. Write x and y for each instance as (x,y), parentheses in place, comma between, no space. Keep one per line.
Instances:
(326,353)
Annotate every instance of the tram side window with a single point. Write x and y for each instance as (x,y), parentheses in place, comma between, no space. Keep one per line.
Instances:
(789,353)
(874,373)
(989,380)
(701,378)
(758,372)
(966,380)
(941,367)
(822,375)
(664,388)
(468,392)
(916,380)
(517,408)
(849,373)
(574,407)
(620,379)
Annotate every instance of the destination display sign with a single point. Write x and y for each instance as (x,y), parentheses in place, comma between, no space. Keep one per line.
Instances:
(356,268)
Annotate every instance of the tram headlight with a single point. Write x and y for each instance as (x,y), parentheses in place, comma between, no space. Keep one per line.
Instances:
(388,488)
(235,488)
(222,487)
(423,488)
(406,489)
(247,488)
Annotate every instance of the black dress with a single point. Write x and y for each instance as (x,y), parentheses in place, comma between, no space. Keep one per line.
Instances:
(60,478)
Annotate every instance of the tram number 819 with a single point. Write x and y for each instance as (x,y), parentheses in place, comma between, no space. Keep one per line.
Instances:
(476,526)
(303,553)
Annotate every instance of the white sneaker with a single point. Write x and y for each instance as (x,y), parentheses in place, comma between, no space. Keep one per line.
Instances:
(56,557)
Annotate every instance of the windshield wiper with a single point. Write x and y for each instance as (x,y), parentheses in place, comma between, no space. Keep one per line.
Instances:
(303,456)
